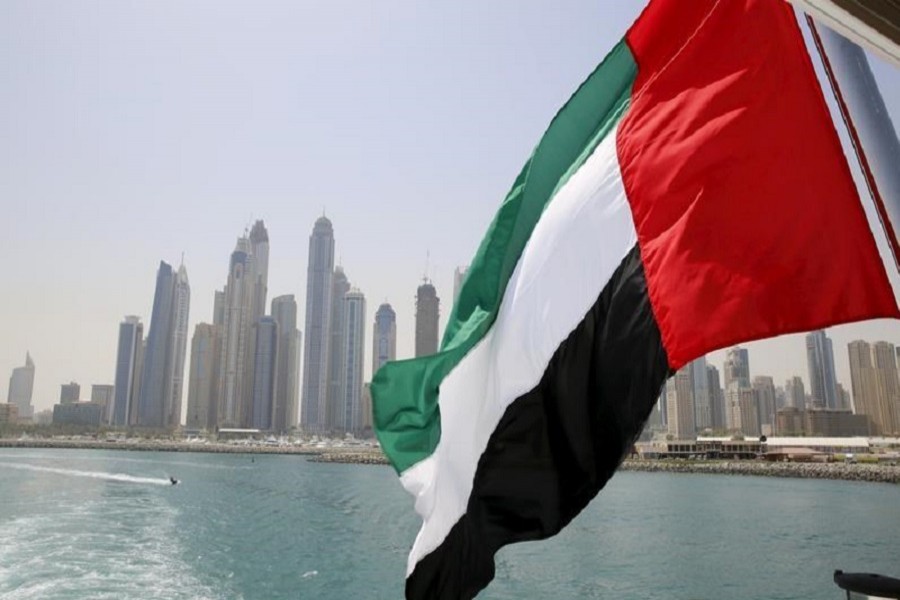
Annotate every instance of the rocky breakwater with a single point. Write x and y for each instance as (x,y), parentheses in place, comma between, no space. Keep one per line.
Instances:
(844,471)
(357,457)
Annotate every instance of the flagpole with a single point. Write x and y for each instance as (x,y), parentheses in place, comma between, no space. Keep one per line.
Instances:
(868,124)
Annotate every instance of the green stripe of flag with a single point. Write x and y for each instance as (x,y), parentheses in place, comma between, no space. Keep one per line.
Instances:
(405,393)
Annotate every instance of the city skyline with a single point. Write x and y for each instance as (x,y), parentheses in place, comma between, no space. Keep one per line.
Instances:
(283,152)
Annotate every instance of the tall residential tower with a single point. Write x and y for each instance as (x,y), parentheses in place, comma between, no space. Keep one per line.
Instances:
(318,308)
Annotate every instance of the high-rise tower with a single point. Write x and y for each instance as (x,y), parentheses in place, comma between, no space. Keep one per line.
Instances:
(427,314)
(820,360)
(181,306)
(737,367)
(162,386)
(867,392)
(350,413)
(319,272)
(21,387)
(337,355)
(206,348)
(258,281)
(265,361)
(284,311)
(236,342)
(384,337)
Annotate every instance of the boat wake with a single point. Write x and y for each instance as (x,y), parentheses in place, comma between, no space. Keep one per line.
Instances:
(119,477)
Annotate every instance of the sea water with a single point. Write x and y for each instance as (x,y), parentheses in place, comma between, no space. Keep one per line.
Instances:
(108,524)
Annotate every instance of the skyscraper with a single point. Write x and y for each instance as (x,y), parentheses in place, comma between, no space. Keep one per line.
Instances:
(265,362)
(337,355)
(384,337)
(680,404)
(236,337)
(764,391)
(737,367)
(128,375)
(159,404)
(864,382)
(259,282)
(427,314)
(702,394)
(717,398)
(181,305)
(820,361)
(154,387)
(318,308)
(885,363)
(205,353)
(69,393)
(284,311)
(354,353)
(795,393)
(21,388)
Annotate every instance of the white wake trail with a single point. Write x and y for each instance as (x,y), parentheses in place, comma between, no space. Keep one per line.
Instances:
(121,477)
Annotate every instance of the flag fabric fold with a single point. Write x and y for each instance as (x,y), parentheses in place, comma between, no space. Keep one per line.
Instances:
(691,194)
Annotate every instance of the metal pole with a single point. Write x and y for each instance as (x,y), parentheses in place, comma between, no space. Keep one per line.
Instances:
(868,123)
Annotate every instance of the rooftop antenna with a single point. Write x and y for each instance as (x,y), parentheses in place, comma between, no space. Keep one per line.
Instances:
(182,258)
(427,261)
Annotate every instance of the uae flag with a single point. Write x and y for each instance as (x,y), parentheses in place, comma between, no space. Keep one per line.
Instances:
(692,194)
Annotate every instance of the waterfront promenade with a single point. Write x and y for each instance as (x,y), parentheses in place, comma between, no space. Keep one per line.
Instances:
(877,473)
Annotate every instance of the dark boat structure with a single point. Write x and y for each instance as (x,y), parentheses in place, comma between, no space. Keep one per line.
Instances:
(867,586)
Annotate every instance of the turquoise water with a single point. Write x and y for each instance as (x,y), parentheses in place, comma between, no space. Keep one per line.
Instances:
(106,524)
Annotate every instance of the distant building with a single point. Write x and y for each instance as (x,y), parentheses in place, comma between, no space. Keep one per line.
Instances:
(821,422)
(873,376)
(353,346)
(680,404)
(206,346)
(703,399)
(794,393)
(427,315)
(159,404)
(459,275)
(9,413)
(69,393)
(820,361)
(128,371)
(104,395)
(265,363)
(287,372)
(21,388)
(234,379)
(337,354)
(78,413)
(743,410)
(319,272)
(764,391)
(737,367)
(384,337)
(366,417)
(717,398)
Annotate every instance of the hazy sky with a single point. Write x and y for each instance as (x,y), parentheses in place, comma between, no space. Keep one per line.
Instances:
(132,132)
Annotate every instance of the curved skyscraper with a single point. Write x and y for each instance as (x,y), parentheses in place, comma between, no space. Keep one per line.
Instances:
(159,403)
(318,308)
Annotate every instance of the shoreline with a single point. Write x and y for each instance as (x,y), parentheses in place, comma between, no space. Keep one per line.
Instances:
(874,473)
